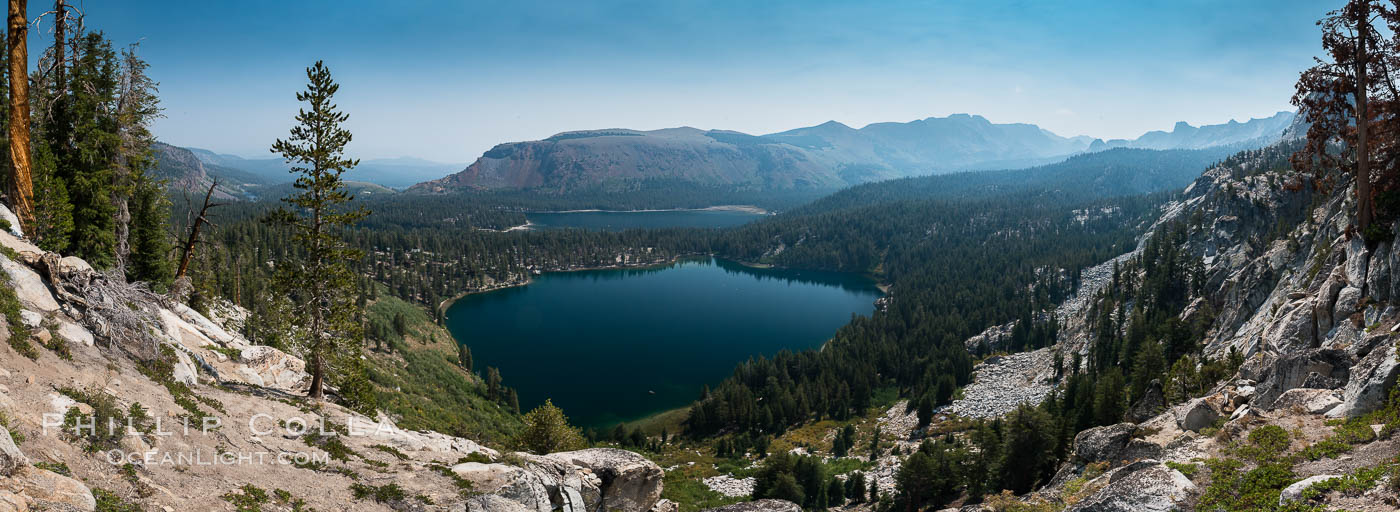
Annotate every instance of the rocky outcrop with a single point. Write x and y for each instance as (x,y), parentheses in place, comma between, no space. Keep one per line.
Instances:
(1294,492)
(46,490)
(1196,414)
(1152,403)
(1370,384)
(1001,384)
(1307,400)
(1114,444)
(1100,444)
(578,481)
(1317,368)
(33,293)
(269,367)
(11,458)
(10,218)
(516,484)
(117,332)
(630,482)
(25,487)
(759,506)
(1147,486)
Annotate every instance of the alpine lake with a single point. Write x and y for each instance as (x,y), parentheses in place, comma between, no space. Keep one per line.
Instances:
(616,345)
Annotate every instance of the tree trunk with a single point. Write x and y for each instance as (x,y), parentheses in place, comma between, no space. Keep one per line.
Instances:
(188,251)
(60,28)
(22,186)
(1364,208)
(317,374)
(121,179)
(318,299)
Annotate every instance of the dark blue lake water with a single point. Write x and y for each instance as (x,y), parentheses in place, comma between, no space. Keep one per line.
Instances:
(617,345)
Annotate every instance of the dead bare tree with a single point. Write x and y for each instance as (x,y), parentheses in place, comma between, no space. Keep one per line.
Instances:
(187,252)
(53,66)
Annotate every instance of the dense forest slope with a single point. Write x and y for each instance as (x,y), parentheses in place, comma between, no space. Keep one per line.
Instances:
(827,156)
(1241,356)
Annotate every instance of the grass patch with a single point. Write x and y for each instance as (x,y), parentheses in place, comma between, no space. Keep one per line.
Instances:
(249,498)
(162,370)
(331,444)
(56,467)
(19,332)
(427,389)
(108,501)
(231,352)
(1353,484)
(843,465)
(1189,470)
(15,435)
(672,422)
(100,430)
(464,486)
(388,493)
(692,494)
(391,451)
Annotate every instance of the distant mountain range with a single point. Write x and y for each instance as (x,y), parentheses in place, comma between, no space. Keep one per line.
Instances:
(193,170)
(389,172)
(827,156)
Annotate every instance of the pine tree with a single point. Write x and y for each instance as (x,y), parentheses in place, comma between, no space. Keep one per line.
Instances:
(320,282)
(512,400)
(136,108)
(143,235)
(88,168)
(150,248)
(1346,98)
(53,213)
(464,356)
(493,383)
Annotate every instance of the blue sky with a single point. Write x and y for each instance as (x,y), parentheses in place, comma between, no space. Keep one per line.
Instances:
(447,80)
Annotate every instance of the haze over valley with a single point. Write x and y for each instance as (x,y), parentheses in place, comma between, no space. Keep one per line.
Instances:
(545,256)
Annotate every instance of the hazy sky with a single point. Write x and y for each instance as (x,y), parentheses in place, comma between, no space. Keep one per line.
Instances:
(447,80)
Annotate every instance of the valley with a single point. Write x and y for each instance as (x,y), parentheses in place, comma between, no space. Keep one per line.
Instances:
(1148,271)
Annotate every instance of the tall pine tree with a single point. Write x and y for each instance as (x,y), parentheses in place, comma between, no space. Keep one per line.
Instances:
(320,282)
(88,166)
(142,237)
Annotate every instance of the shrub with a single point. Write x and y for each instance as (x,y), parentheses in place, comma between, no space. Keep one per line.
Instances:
(547,430)
(388,493)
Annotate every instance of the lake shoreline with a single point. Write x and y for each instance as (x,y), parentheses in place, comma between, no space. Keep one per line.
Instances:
(745,208)
(512,283)
(447,303)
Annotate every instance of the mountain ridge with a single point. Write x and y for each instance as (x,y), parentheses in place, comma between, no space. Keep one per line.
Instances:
(829,155)
(396,172)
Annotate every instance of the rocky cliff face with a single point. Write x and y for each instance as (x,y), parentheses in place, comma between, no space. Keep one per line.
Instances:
(216,421)
(1289,286)
(185,172)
